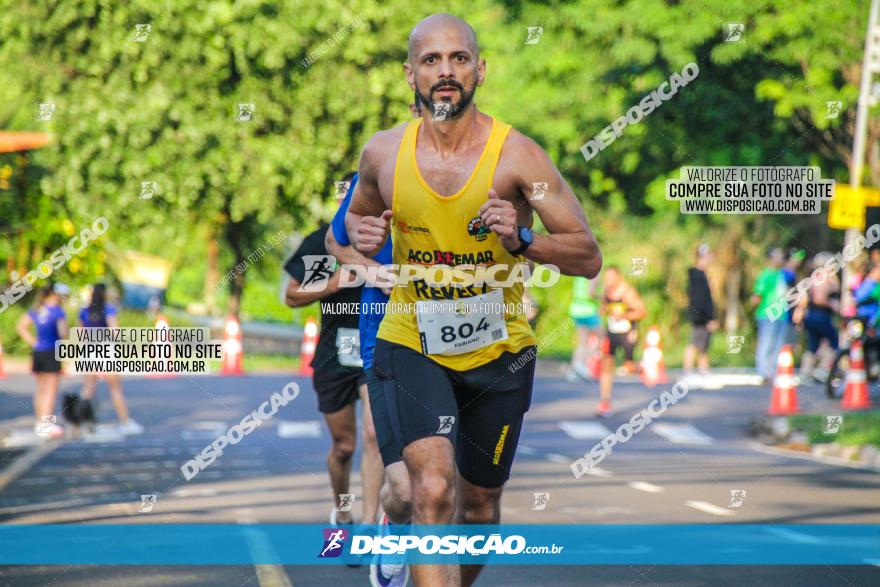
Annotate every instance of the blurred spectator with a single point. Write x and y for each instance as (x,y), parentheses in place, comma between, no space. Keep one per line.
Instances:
(50,325)
(819,307)
(100,313)
(792,317)
(584,311)
(701,312)
(769,287)
(622,307)
(867,296)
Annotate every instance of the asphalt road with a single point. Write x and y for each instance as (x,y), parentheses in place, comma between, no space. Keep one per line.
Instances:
(681,469)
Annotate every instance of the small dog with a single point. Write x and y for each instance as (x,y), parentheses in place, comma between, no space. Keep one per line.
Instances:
(70,409)
(76,410)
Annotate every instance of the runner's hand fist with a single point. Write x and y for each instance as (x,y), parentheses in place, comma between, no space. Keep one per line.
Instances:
(499,216)
(372,232)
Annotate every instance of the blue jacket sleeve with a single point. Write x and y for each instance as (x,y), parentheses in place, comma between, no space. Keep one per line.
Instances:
(863,292)
(338,224)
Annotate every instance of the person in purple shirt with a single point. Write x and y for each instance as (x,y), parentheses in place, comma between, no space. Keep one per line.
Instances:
(49,324)
(102,314)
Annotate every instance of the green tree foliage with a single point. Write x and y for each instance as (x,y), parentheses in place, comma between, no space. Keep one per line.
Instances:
(164,110)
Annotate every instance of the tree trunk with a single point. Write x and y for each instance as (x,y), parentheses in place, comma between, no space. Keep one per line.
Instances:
(235,237)
(212,274)
(731,315)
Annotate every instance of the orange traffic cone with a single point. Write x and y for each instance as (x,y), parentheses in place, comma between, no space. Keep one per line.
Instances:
(856,395)
(2,374)
(232,348)
(162,324)
(783,400)
(653,369)
(307,350)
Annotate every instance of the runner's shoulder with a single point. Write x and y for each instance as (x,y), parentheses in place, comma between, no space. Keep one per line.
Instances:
(522,157)
(384,143)
(522,148)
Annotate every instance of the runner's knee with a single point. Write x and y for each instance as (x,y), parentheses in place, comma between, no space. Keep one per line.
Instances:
(481,513)
(398,484)
(433,493)
(343,448)
(482,508)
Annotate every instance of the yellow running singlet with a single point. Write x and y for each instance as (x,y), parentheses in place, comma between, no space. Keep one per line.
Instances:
(429,229)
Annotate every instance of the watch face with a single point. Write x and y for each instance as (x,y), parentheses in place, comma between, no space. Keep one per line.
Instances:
(525,235)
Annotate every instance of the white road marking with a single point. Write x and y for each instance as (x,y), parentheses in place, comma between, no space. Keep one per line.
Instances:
(557,458)
(584,430)
(597,472)
(526,450)
(208,425)
(104,433)
(708,508)
(23,464)
(681,433)
(20,438)
(720,380)
(194,492)
(301,429)
(645,486)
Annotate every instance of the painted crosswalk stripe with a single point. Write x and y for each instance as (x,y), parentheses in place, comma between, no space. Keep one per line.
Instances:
(597,472)
(584,430)
(557,458)
(645,486)
(194,492)
(301,429)
(681,433)
(708,508)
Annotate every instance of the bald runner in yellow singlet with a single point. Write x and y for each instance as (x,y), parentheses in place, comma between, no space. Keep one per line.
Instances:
(457,188)
(432,229)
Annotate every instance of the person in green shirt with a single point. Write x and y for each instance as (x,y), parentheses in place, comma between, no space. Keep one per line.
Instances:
(769,287)
(584,311)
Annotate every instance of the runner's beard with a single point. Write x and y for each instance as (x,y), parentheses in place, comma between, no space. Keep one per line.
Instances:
(457,107)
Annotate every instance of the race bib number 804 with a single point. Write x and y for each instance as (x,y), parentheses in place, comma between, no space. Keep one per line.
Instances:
(455,327)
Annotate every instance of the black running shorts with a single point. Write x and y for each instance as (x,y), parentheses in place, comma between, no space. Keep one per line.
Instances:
(480,410)
(45,362)
(389,446)
(336,389)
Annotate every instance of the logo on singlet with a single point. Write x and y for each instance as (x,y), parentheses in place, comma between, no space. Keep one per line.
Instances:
(407,228)
(477,229)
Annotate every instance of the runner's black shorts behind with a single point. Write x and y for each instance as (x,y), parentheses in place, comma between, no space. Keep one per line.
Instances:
(480,410)
(336,388)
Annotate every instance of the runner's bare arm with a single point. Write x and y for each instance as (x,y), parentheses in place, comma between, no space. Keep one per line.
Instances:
(63,329)
(348,255)
(367,220)
(570,245)
(295,298)
(23,331)
(635,304)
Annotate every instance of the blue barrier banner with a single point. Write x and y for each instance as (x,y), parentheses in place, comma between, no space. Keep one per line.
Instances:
(517,544)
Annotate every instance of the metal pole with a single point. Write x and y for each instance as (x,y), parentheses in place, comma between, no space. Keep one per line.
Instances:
(870,65)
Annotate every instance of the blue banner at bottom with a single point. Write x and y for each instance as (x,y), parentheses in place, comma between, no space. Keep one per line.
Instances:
(517,544)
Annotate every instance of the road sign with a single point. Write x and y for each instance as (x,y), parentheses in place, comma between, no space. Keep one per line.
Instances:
(847,209)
